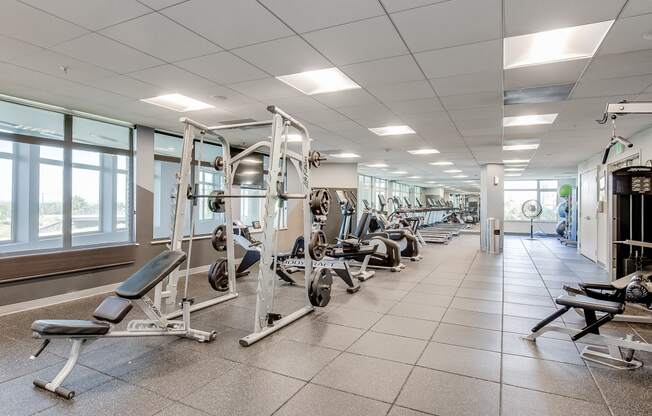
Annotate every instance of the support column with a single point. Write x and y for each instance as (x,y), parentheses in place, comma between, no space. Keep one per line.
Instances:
(491,200)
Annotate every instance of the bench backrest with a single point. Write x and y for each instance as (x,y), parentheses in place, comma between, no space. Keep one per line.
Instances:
(151,274)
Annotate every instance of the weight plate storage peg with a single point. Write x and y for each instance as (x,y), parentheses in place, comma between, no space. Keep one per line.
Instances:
(218,276)
(218,163)
(319,292)
(218,239)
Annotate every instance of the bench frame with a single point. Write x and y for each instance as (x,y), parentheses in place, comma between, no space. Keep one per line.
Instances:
(602,349)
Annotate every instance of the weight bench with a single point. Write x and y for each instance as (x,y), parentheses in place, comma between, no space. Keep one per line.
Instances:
(604,349)
(112,311)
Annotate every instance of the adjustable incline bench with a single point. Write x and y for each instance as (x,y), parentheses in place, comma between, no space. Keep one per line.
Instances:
(603,349)
(112,311)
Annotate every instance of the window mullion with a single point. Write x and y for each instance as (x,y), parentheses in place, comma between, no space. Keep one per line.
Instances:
(67,182)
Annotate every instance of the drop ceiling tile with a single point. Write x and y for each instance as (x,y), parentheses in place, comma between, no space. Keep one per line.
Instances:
(223,68)
(323,118)
(93,15)
(298,105)
(531,16)
(13,48)
(402,91)
(283,56)
(637,7)
(129,87)
(440,25)
(465,59)
(265,89)
(359,41)
(309,15)
(384,71)
(481,82)
(176,80)
(619,65)
(20,21)
(106,53)
(626,35)
(160,37)
(477,113)
(398,5)
(230,24)
(458,102)
(160,4)
(424,105)
(541,75)
(51,63)
(612,86)
(346,98)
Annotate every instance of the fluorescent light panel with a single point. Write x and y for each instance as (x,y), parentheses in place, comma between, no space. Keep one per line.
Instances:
(378,165)
(513,174)
(529,120)
(423,151)
(514,169)
(399,172)
(414,177)
(521,147)
(392,130)
(460,176)
(565,44)
(178,102)
(319,81)
(537,95)
(441,163)
(452,171)
(512,161)
(344,155)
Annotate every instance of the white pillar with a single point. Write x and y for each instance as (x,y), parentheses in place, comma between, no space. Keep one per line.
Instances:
(491,200)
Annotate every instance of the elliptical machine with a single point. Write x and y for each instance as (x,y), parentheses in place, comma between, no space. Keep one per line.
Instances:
(379,225)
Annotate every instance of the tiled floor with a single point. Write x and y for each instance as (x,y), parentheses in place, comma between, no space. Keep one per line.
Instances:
(442,337)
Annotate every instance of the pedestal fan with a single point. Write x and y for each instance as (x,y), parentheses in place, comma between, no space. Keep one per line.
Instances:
(531,210)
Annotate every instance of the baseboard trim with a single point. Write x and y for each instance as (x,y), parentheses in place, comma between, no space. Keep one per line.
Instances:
(69,297)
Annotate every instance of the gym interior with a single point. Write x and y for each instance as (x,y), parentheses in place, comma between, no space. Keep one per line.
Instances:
(326,207)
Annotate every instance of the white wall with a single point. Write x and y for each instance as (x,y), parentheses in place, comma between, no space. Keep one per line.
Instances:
(335,175)
(643,146)
(492,203)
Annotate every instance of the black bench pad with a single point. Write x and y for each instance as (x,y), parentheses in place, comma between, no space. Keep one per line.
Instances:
(69,327)
(148,276)
(586,302)
(112,309)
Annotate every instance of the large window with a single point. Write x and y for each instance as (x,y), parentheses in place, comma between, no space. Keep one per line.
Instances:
(252,209)
(517,192)
(167,162)
(66,180)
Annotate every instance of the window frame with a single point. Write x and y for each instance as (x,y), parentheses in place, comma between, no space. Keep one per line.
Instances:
(34,244)
(539,190)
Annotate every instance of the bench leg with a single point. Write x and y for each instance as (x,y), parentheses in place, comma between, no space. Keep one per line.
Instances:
(535,331)
(55,385)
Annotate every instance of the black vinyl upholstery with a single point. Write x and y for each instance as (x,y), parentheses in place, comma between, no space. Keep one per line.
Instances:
(70,327)
(112,309)
(591,304)
(148,276)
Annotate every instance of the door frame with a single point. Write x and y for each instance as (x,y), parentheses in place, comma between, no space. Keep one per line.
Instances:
(594,214)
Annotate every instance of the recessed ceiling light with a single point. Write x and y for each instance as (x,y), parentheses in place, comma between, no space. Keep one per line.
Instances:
(344,155)
(565,44)
(468,181)
(392,130)
(511,161)
(513,174)
(378,165)
(536,95)
(441,163)
(514,169)
(521,147)
(452,171)
(319,81)
(530,120)
(177,102)
(423,151)
(460,176)
(399,172)
(432,182)
(414,177)
(251,161)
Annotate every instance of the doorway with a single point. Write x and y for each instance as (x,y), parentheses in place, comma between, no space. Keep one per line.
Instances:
(588,241)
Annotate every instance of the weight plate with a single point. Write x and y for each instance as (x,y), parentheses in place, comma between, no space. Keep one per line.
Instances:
(317,246)
(319,291)
(218,239)
(218,276)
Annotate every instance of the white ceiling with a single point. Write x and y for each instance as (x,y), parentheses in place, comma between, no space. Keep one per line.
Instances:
(434,65)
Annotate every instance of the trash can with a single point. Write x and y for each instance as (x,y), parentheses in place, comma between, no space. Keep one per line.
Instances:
(493,236)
